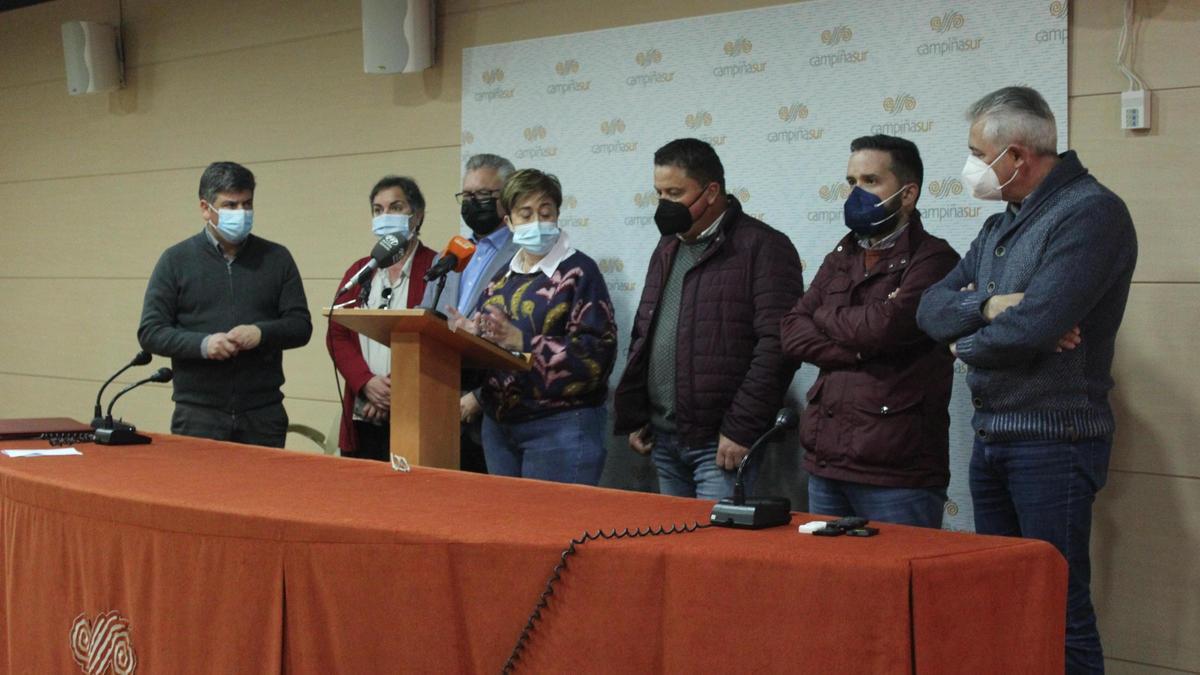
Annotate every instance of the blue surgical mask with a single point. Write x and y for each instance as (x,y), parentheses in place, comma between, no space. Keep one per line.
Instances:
(234,224)
(390,223)
(537,238)
(866,214)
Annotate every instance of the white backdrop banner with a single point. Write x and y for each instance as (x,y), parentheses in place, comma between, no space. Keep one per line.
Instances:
(779,92)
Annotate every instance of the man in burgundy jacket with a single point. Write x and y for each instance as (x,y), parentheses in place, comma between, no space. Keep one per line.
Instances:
(705,375)
(876,427)
(398,209)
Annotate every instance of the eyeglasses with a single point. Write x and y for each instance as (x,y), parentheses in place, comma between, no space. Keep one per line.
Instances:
(479,196)
(386,296)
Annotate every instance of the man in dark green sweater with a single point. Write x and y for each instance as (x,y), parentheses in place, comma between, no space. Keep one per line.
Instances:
(224,304)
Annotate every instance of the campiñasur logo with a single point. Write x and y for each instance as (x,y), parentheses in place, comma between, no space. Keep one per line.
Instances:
(570,203)
(533,135)
(949,21)
(742,46)
(830,193)
(832,37)
(613,127)
(103,645)
(566,69)
(614,269)
(646,59)
(609,265)
(743,195)
(494,77)
(1058,10)
(896,106)
(468,138)
(643,200)
(790,114)
(700,119)
(946,189)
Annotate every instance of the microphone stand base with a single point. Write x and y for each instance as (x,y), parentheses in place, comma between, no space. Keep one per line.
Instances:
(754,514)
(120,436)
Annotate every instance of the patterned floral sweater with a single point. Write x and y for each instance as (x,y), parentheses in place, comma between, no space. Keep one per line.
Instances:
(568,326)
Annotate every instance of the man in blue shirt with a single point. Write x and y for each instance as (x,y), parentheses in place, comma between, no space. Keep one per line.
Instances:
(483,178)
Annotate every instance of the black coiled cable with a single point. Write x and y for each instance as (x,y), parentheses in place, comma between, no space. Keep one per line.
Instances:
(544,599)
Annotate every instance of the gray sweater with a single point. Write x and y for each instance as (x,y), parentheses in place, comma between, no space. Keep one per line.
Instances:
(1071,250)
(194,291)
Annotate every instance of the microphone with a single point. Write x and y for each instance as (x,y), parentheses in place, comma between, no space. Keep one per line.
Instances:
(458,252)
(387,252)
(143,357)
(756,514)
(120,433)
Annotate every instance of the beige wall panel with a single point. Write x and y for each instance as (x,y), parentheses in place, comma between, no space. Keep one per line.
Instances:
(1118,667)
(1167,55)
(1145,544)
(116,226)
(31,39)
(93,332)
(291,100)
(148,407)
(1156,396)
(1141,169)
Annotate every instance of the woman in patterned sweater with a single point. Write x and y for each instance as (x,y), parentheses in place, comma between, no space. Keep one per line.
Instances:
(552,302)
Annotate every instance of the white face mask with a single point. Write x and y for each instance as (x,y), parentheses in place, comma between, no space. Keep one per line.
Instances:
(391,223)
(233,224)
(982,179)
(537,237)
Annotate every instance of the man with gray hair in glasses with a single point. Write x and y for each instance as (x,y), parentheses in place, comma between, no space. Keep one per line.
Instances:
(1033,309)
(483,177)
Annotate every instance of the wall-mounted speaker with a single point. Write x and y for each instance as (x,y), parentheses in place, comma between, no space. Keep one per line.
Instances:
(93,57)
(397,35)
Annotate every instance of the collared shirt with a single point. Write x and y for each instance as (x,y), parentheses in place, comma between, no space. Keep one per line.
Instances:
(549,262)
(378,356)
(229,257)
(708,231)
(485,250)
(885,243)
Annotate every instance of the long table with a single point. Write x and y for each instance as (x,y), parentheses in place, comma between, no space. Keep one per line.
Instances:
(196,556)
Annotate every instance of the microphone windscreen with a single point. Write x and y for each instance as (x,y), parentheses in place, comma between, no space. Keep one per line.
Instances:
(787,418)
(143,357)
(462,249)
(386,249)
(162,375)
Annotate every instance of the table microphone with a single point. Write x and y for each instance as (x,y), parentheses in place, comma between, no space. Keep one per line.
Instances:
(119,433)
(454,259)
(761,512)
(143,357)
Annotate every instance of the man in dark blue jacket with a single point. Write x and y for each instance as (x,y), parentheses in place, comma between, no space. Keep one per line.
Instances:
(1033,310)
(224,304)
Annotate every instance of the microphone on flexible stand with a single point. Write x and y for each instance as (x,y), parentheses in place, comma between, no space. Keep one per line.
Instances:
(143,357)
(120,433)
(761,512)
(454,259)
(387,252)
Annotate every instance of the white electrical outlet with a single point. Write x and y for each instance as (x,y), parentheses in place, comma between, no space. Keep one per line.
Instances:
(1135,109)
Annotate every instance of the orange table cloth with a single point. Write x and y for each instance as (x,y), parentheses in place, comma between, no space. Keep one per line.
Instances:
(195,556)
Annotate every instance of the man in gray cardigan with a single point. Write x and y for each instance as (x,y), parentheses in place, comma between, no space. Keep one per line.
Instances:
(1033,310)
(224,304)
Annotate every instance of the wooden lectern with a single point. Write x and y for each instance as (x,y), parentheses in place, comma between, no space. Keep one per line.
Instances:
(427,361)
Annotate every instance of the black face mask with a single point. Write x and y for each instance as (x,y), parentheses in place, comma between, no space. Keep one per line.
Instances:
(480,216)
(674,217)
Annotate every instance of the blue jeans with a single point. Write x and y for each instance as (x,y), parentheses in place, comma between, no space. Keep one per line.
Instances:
(1044,490)
(566,447)
(922,507)
(693,472)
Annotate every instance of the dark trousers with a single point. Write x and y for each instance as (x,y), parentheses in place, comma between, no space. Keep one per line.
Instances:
(374,441)
(1044,490)
(261,426)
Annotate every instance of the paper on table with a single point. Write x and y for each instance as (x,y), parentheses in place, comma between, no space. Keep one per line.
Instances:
(42,452)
